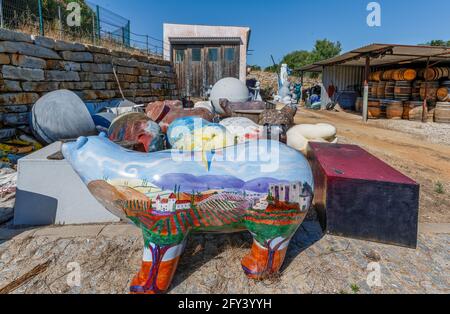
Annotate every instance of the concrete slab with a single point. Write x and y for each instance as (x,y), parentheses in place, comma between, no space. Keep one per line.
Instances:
(50,192)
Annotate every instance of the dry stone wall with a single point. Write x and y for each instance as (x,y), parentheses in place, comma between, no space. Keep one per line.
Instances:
(33,66)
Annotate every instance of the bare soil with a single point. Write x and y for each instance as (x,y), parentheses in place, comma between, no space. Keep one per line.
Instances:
(420,151)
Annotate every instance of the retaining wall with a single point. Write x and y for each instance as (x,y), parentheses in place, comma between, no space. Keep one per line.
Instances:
(33,66)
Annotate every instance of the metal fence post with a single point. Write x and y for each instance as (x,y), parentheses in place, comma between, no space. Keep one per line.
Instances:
(1,14)
(128,34)
(94,31)
(98,24)
(60,22)
(41,19)
(146,36)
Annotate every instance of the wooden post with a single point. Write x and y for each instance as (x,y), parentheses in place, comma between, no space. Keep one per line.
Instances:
(425,101)
(366,90)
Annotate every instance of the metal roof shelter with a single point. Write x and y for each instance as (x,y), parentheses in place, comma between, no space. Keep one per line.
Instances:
(384,55)
(353,68)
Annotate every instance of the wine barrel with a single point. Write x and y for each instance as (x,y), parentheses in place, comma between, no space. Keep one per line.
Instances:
(389,90)
(431,92)
(376,76)
(403,90)
(442,112)
(370,88)
(394,109)
(374,109)
(374,90)
(434,74)
(413,110)
(443,94)
(381,89)
(387,75)
(415,91)
(404,75)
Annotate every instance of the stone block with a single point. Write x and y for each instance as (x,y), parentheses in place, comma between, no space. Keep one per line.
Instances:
(98,85)
(67,46)
(18,98)
(10,86)
(102,58)
(14,109)
(127,70)
(127,78)
(44,42)
(88,76)
(77,56)
(75,85)
(97,94)
(4,59)
(125,62)
(28,62)
(97,68)
(28,49)
(39,86)
(15,119)
(23,74)
(97,49)
(62,76)
(63,65)
(8,35)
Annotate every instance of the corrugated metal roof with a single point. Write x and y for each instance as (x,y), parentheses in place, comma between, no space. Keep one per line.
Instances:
(384,54)
(202,40)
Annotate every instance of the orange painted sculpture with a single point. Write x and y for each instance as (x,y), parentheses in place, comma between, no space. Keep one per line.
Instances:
(165,112)
(261,186)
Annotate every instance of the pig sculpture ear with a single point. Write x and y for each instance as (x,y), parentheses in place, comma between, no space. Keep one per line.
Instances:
(81,141)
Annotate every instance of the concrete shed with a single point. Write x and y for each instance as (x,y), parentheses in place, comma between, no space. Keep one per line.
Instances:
(203,54)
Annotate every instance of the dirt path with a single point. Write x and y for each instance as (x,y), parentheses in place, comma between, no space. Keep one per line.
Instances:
(415,155)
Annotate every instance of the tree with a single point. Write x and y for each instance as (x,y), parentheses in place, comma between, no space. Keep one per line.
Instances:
(438,42)
(297,59)
(255,67)
(323,49)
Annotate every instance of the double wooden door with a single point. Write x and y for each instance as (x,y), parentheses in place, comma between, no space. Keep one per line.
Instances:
(200,66)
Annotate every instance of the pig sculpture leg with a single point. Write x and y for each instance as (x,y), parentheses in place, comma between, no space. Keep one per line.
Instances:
(159,264)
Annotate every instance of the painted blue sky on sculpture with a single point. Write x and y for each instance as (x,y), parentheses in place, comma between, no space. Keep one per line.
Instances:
(99,159)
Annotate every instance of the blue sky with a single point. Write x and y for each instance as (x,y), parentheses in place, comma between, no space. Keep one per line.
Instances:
(279,27)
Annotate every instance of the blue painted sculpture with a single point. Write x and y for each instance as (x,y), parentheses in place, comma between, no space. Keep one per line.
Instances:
(261,186)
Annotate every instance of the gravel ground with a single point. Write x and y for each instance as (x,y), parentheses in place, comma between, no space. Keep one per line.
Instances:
(437,133)
(211,264)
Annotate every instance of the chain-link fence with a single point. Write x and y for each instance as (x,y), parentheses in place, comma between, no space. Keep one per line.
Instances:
(76,20)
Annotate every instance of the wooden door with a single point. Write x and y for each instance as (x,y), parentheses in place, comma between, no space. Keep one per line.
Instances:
(195,71)
(230,61)
(180,61)
(213,63)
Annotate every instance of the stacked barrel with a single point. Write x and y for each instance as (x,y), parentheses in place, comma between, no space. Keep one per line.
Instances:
(400,94)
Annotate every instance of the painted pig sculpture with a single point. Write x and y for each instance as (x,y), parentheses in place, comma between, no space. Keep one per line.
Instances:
(261,186)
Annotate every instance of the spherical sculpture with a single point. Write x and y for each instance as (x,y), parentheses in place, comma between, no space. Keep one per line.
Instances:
(228,88)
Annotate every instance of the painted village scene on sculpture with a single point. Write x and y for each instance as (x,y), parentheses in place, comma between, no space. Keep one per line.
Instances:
(185,152)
